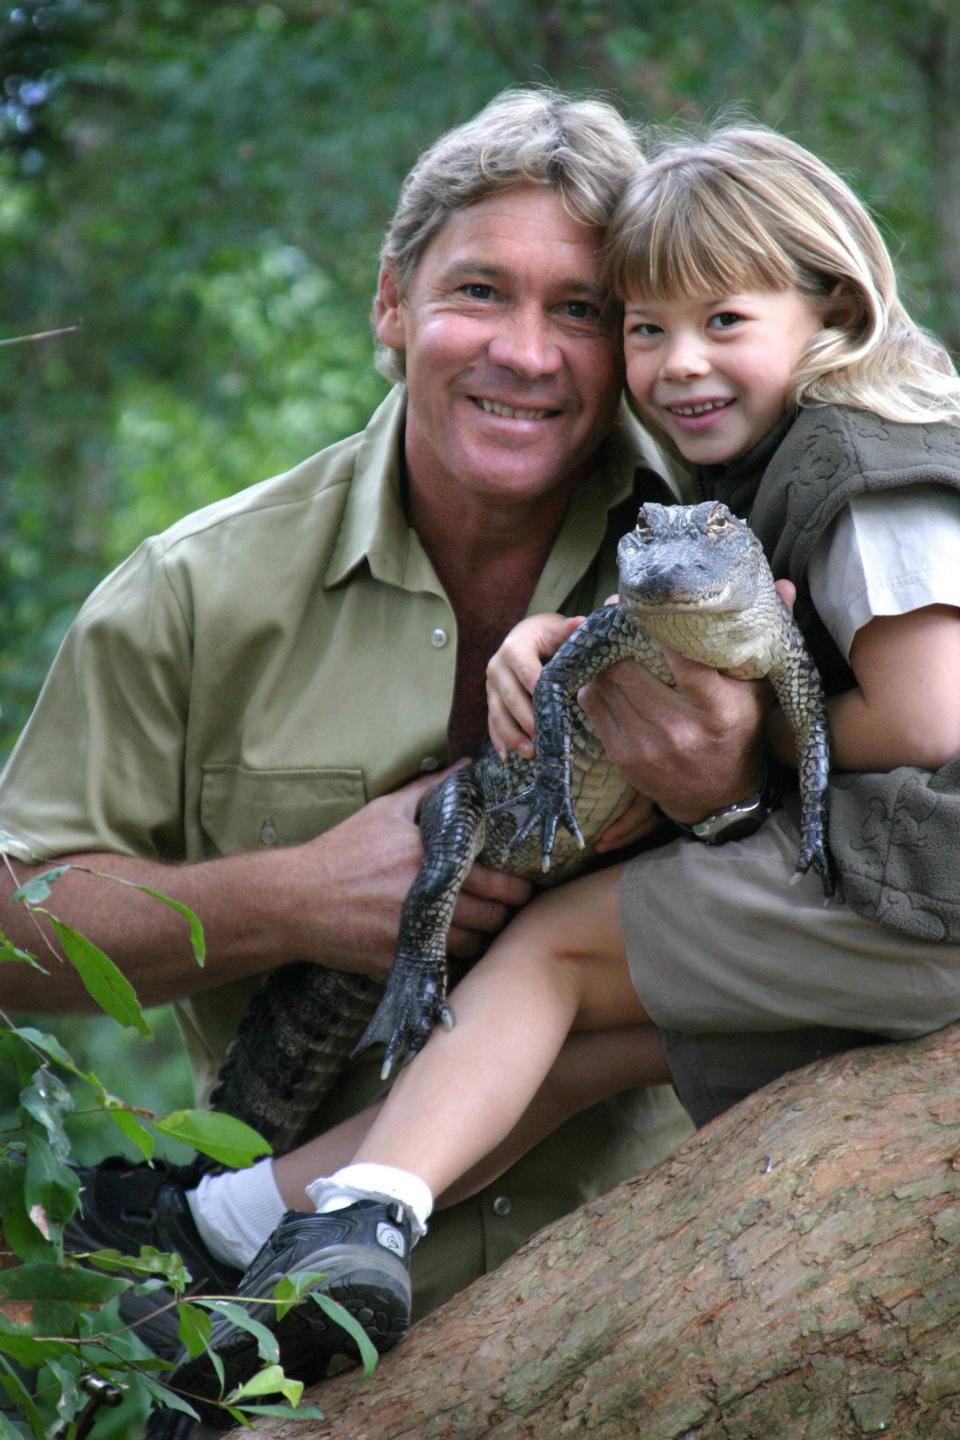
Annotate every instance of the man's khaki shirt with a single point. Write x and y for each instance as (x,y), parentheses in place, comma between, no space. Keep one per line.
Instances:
(255,675)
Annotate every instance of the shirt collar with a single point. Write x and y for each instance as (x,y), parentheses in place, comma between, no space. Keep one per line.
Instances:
(375,528)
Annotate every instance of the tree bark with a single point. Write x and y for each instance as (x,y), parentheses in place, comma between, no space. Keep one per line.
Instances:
(792,1270)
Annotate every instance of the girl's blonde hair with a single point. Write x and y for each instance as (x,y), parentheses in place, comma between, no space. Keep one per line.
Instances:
(744,208)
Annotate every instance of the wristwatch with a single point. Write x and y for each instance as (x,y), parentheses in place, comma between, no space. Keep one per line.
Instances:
(736,822)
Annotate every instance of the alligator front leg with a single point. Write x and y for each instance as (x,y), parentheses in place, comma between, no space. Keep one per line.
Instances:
(605,637)
(798,688)
(452,827)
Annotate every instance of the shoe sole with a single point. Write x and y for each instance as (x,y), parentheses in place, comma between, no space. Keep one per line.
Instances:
(368,1282)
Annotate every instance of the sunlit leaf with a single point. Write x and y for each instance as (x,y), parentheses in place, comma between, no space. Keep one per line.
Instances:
(148,1263)
(222,1137)
(269,1381)
(103,981)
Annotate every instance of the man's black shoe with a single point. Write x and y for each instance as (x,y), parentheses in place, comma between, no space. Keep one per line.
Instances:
(363,1255)
(123,1206)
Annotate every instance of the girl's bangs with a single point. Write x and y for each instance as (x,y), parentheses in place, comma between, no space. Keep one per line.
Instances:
(709,244)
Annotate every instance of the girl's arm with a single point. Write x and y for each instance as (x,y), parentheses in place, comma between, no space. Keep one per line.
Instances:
(905,707)
(512,674)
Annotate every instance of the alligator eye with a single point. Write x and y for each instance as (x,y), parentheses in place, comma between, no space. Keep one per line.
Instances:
(719,520)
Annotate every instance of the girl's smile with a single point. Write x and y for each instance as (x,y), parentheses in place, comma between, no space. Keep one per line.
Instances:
(715,373)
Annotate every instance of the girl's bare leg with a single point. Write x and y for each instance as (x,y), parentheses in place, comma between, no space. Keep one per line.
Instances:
(559,965)
(592,1065)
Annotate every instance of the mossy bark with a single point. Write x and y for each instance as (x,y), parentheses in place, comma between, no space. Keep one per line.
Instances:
(793,1270)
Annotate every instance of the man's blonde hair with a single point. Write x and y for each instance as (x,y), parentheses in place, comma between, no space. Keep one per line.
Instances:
(742,207)
(581,148)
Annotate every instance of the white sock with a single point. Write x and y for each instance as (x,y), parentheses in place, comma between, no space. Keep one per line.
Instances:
(369,1181)
(237,1211)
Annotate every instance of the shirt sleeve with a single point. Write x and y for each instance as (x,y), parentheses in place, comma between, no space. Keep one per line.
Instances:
(99,765)
(887,553)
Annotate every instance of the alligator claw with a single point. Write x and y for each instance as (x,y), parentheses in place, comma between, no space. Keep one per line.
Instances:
(540,809)
(814,853)
(413,1003)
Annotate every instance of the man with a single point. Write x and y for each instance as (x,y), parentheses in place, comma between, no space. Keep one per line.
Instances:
(238,713)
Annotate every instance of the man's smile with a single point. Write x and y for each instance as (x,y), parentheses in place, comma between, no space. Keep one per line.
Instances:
(512,412)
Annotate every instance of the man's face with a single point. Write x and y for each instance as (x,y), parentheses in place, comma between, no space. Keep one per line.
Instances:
(513,360)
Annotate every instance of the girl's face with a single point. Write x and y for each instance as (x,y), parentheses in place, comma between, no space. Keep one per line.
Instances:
(713,373)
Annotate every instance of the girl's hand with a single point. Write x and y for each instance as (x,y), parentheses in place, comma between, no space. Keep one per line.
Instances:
(512,674)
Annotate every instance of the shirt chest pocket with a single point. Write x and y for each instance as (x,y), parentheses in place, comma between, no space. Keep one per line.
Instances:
(244,809)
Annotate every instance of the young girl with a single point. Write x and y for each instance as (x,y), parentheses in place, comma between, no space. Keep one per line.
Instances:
(766,345)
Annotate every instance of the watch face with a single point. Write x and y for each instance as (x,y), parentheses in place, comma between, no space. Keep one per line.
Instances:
(735,823)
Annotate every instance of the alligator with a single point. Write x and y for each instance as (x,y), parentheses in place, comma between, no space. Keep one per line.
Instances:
(691,577)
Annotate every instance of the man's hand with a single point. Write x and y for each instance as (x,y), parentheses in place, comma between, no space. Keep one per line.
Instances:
(359,873)
(692,749)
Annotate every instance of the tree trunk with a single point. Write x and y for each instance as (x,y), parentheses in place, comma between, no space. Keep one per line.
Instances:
(792,1270)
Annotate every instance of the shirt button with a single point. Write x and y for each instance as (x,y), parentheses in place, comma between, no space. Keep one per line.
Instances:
(268,833)
(502,1205)
(429,762)
(438,638)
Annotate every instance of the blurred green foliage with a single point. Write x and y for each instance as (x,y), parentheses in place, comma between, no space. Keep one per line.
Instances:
(202,190)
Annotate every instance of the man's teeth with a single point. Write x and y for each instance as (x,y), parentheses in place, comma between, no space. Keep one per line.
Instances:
(493,407)
(703,409)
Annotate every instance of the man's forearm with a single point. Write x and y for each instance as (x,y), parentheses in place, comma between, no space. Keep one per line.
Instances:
(238,900)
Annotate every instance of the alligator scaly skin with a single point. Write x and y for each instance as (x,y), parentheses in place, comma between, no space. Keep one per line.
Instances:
(306,1021)
(693,578)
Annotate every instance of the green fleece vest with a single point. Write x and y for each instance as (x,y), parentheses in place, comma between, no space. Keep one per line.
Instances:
(896,836)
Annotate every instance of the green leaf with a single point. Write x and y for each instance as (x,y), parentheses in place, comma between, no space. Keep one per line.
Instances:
(9,951)
(148,1263)
(269,1381)
(104,982)
(368,1352)
(38,1282)
(130,1126)
(268,1347)
(285,1412)
(165,1396)
(48,1182)
(37,889)
(21,1396)
(197,941)
(50,1045)
(29,1352)
(223,1137)
(194,1328)
(48,1100)
(22,1235)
